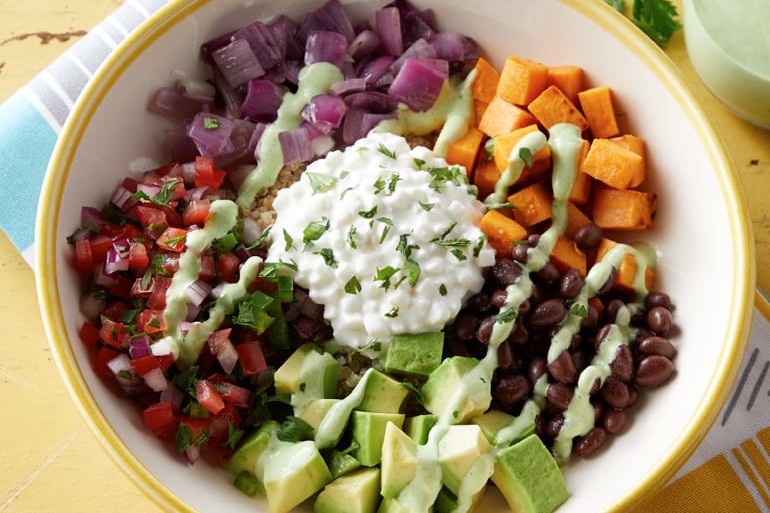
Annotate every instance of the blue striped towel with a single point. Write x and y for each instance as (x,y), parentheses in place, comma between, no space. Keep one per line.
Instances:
(736,449)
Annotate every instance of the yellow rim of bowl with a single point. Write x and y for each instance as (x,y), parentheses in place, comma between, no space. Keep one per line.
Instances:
(166,17)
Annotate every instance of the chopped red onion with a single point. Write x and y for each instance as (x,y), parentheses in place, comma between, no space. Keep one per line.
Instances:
(306,327)
(372,101)
(251,230)
(162,347)
(212,45)
(420,49)
(326,46)
(262,42)
(179,146)
(193,454)
(329,17)
(195,89)
(91,305)
(322,145)
(138,347)
(414,24)
(193,312)
(173,396)
(156,380)
(373,70)
(325,112)
(387,22)
(150,189)
(169,102)
(449,46)
(237,62)
(364,44)
(197,193)
(230,95)
(419,83)
(197,292)
(121,364)
(350,85)
(284,30)
(227,356)
(263,98)
(358,123)
(115,262)
(256,135)
(295,145)
(211,134)
(122,199)
(90,216)
(102,278)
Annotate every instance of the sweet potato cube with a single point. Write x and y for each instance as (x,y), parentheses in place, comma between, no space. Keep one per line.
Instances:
(599,111)
(575,220)
(521,80)
(638,146)
(532,204)
(463,151)
(613,164)
(581,188)
(485,82)
(479,108)
(569,79)
(501,231)
(566,255)
(616,209)
(501,117)
(485,177)
(626,271)
(552,106)
(504,144)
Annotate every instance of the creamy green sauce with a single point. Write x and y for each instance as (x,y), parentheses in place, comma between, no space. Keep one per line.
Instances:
(186,347)
(532,142)
(314,79)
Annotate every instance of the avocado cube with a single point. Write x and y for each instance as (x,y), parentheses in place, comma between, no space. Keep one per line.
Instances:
(314,412)
(308,371)
(340,463)
(529,477)
(382,394)
(399,461)
(391,505)
(296,472)
(446,501)
(357,492)
(368,431)
(419,427)
(446,381)
(246,455)
(415,355)
(458,451)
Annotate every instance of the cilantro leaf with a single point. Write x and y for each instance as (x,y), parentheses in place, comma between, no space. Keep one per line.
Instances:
(386,151)
(320,182)
(353,286)
(656,18)
(294,429)
(526,156)
(315,229)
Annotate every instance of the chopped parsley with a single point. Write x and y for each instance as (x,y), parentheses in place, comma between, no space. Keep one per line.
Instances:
(353,286)
(210,122)
(368,214)
(404,247)
(507,315)
(412,270)
(444,175)
(459,255)
(453,243)
(321,182)
(163,196)
(442,289)
(315,229)
(287,239)
(328,255)
(294,429)
(525,154)
(479,245)
(418,162)
(393,313)
(656,18)
(379,185)
(352,237)
(386,151)
(579,309)
(427,206)
(384,274)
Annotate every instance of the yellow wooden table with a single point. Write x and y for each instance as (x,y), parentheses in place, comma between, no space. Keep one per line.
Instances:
(49,461)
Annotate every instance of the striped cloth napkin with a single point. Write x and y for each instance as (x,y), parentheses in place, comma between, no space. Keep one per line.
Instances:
(735,455)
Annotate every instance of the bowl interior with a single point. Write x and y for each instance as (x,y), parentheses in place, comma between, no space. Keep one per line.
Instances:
(701,235)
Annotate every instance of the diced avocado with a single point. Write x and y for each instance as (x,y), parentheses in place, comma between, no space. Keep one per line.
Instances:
(391,505)
(459,450)
(446,501)
(295,472)
(309,371)
(340,463)
(415,355)
(446,381)
(357,492)
(492,422)
(250,449)
(314,411)
(529,477)
(383,394)
(399,461)
(418,427)
(248,483)
(368,430)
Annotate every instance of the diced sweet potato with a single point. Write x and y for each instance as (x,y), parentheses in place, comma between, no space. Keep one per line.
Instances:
(626,272)
(569,79)
(501,117)
(501,231)
(521,80)
(541,160)
(599,111)
(616,209)
(485,177)
(463,151)
(581,188)
(479,108)
(575,219)
(552,106)
(532,204)
(485,83)
(638,146)
(566,255)
(614,164)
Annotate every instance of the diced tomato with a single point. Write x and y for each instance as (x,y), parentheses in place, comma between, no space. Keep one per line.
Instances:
(196,427)
(235,395)
(120,286)
(140,291)
(208,268)
(138,258)
(103,355)
(206,175)
(112,333)
(145,364)
(172,169)
(251,357)
(171,262)
(157,299)
(174,219)
(196,212)
(228,266)
(100,244)
(151,217)
(129,184)
(131,232)
(89,334)
(84,258)
(150,321)
(172,239)
(208,397)
(218,339)
(160,419)
(219,425)
(114,310)
(166,361)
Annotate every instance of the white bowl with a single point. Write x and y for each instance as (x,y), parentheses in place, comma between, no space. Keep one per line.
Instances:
(702,232)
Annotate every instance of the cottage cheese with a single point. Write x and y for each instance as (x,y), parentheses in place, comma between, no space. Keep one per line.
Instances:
(386,237)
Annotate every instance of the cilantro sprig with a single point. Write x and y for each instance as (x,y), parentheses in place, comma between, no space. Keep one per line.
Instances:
(656,18)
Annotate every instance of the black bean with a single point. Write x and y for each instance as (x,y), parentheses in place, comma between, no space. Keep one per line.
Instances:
(601,335)
(519,253)
(660,320)
(658,345)
(607,286)
(525,307)
(553,426)
(519,334)
(559,396)
(537,369)
(563,369)
(533,239)
(512,389)
(571,284)
(589,444)
(633,394)
(615,393)
(591,319)
(505,357)
(657,298)
(549,275)
(622,366)
(548,313)
(484,331)
(598,410)
(654,370)
(479,303)
(588,236)
(611,309)
(498,298)
(615,421)
(505,271)
(465,326)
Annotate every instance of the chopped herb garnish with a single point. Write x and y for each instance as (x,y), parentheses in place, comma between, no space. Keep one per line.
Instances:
(233,435)
(419,163)
(453,243)
(352,237)
(225,244)
(459,255)
(287,239)
(489,148)
(579,309)
(373,345)
(497,206)
(427,206)
(446,231)
(393,313)
(418,395)
(343,193)
(479,245)
(320,182)
(656,18)
(412,270)
(262,238)
(386,151)
(271,270)
(294,429)
(252,312)
(210,122)
(525,154)
(368,214)
(522,242)
(507,315)
(163,196)
(444,175)
(442,289)
(379,185)
(353,286)
(392,181)
(183,435)
(404,247)
(384,274)
(328,256)
(315,229)
(385,229)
